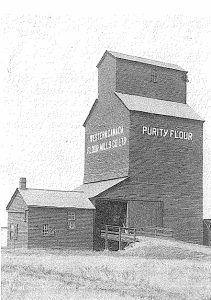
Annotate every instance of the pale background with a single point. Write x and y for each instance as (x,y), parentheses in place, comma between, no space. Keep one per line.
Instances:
(48,55)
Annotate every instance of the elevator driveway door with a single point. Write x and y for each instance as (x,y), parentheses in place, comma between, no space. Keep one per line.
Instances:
(145,214)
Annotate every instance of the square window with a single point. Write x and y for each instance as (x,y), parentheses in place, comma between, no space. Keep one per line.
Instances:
(71,220)
(71,216)
(71,224)
(45,229)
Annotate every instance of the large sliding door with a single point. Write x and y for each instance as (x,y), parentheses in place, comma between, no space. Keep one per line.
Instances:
(145,214)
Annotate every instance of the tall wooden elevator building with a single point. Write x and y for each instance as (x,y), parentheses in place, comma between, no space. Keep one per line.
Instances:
(144,148)
(143,164)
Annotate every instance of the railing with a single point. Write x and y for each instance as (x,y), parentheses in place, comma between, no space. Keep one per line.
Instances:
(130,235)
(120,234)
(155,231)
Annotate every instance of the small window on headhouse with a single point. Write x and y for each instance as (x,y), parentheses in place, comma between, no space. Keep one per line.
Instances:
(154,76)
(71,220)
(45,229)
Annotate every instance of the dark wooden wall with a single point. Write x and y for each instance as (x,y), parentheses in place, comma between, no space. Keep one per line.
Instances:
(207,232)
(114,162)
(79,238)
(165,170)
(171,170)
(16,216)
(135,78)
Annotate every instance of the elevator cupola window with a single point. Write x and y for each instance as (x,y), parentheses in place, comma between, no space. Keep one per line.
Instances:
(154,76)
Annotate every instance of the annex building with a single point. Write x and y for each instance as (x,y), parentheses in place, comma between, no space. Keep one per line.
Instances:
(143,156)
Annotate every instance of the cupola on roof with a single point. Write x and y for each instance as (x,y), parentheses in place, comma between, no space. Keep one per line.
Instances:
(141,60)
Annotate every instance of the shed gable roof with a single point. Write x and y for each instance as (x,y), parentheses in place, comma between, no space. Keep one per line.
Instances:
(160,107)
(141,60)
(53,198)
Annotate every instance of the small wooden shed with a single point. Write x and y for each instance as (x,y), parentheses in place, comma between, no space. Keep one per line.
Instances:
(49,219)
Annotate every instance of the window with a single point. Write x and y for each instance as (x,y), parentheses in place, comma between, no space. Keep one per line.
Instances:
(13,232)
(26,216)
(71,220)
(16,233)
(154,77)
(45,229)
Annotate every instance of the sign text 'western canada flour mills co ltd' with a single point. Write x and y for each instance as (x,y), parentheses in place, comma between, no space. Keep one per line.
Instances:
(107,139)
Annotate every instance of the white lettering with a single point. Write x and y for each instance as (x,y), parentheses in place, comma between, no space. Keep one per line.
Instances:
(162,132)
(165,132)
(176,134)
(144,129)
(181,135)
(154,131)
(171,132)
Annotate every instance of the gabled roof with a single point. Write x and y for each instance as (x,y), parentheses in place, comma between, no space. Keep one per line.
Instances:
(53,198)
(90,112)
(141,60)
(95,188)
(159,107)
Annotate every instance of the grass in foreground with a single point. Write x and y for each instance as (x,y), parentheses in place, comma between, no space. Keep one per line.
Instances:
(153,269)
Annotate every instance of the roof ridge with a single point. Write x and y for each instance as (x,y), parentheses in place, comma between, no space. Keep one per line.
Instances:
(48,190)
(134,95)
(140,59)
(121,177)
(170,108)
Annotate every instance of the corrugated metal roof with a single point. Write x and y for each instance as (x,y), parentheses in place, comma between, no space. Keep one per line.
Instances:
(51,198)
(159,107)
(95,188)
(142,60)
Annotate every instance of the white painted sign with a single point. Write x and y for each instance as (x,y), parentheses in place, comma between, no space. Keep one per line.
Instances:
(106,134)
(163,132)
(111,140)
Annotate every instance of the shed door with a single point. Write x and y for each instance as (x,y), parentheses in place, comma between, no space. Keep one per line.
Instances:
(145,214)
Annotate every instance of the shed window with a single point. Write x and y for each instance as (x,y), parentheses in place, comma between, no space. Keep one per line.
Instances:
(154,76)
(26,216)
(13,232)
(71,220)
(16,232)
(45,229)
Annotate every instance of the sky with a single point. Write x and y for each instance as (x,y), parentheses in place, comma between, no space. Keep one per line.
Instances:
(48,79)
